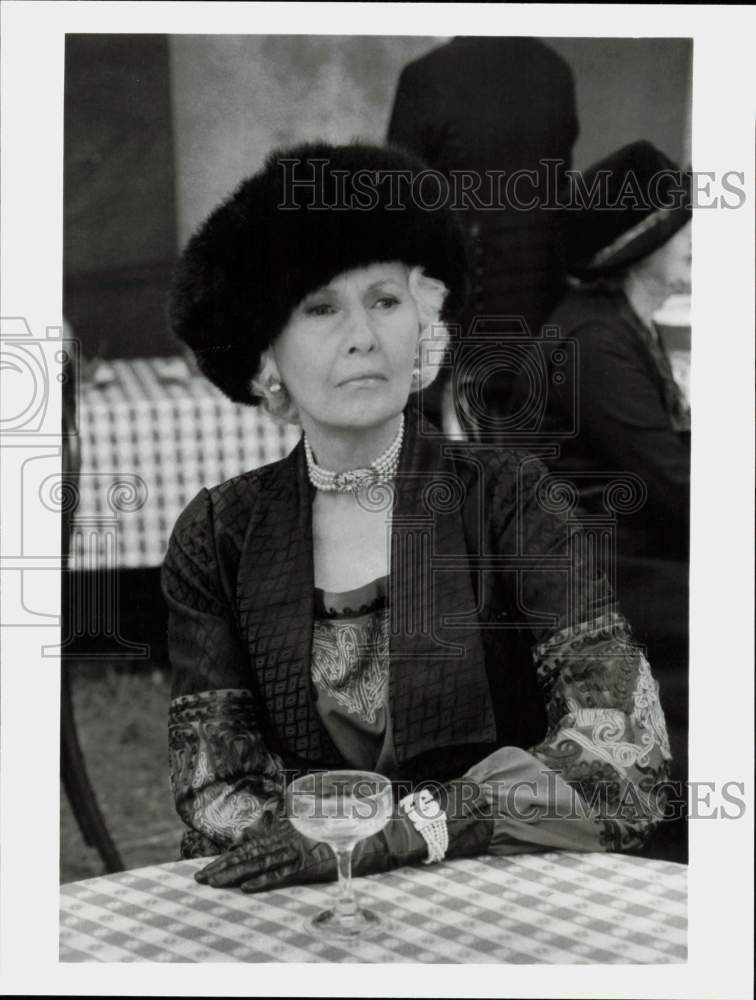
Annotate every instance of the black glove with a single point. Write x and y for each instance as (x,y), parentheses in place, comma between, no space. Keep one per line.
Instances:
(273,854)
(469,818)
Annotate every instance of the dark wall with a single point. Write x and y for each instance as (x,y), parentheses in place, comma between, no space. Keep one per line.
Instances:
(628,89)
(119,234)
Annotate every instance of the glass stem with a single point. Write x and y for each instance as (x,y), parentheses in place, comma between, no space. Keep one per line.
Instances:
(346,905)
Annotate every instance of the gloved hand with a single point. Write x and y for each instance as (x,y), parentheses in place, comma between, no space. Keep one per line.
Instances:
(469,821)
(272,854)
(469,818)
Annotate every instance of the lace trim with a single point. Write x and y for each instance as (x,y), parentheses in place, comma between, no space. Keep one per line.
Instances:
(354,603)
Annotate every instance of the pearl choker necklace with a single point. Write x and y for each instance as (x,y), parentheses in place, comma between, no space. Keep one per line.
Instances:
(382,470)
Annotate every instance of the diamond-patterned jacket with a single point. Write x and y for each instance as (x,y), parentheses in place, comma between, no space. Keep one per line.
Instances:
(489,580)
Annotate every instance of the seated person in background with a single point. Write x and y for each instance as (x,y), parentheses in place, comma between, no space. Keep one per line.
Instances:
(325,611)
(631,415)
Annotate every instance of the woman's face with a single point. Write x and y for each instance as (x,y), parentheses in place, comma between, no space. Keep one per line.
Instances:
(672,262)
(347,352)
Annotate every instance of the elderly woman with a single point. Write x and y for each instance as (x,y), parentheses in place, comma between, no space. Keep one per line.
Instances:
(627,255)
(380,599)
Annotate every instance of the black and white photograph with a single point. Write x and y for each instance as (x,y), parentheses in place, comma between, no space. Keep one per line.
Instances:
(377,499)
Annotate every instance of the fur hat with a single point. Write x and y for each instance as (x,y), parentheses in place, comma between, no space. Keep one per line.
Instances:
(311,213)
(642,198)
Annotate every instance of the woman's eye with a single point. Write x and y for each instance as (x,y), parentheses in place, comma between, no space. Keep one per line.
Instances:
(319,309)
(387,301)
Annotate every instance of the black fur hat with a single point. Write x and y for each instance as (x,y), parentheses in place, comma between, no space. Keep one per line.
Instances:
(642,199)
(312,212)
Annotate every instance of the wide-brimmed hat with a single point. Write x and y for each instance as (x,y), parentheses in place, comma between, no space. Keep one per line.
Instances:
(623,208)
(312,213)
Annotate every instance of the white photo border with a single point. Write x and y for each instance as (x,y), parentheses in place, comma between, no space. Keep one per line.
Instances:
(721,721)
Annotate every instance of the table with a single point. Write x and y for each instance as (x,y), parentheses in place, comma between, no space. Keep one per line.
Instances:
(559,907)
(153,433)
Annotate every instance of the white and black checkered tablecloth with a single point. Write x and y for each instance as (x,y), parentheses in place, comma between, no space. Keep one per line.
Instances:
(152,434)
(557,908)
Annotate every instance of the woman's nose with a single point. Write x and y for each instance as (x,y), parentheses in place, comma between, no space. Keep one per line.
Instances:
(360,336)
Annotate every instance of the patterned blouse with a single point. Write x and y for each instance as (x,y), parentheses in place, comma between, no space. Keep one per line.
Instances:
(350,647)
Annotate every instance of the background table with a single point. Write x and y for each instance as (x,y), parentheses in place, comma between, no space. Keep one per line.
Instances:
(152,434)
(530,908)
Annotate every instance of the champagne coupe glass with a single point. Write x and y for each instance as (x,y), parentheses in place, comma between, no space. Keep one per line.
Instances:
(341,808)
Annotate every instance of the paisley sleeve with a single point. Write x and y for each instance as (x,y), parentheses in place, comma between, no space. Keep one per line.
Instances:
(606,734)
(597,778)
(222,775)
(596,781)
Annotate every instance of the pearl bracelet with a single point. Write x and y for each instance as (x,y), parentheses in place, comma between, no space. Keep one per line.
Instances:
(429,819)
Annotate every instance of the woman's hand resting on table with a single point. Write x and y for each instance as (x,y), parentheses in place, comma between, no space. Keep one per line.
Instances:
(272,855)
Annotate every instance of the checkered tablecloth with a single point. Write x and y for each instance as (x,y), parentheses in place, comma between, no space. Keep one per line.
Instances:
(529,909)
(152,434)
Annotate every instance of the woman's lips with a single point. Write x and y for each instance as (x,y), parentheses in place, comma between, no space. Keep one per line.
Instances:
(357,380)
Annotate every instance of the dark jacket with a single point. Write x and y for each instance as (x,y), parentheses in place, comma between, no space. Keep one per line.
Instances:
(502,634)
(497,104)
(630,418)
(491,573)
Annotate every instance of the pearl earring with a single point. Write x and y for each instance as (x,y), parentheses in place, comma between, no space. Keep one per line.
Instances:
(274,386)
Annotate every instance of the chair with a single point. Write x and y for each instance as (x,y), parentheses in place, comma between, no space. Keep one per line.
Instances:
(73,771)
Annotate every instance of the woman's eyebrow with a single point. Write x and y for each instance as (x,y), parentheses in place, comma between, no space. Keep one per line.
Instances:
(329,290)
(323,290)
(381,282)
